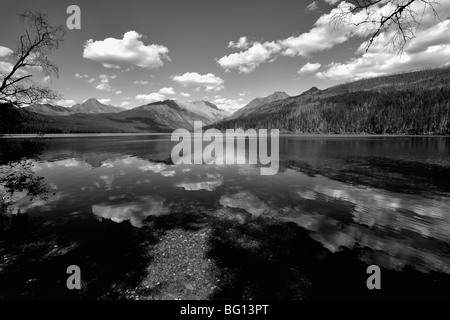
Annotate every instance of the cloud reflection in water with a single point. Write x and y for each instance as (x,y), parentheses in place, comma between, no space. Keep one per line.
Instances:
(211,182)
(135,211)
(378,222)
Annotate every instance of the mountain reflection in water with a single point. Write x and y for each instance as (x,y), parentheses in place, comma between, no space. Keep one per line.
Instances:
(397,213)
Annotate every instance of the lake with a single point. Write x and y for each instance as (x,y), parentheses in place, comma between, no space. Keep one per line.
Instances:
(140,227)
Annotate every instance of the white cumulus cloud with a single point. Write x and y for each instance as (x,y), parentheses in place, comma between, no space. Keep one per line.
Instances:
(242,43)
(104,82)
(324,35)
(149,98)
(309,68)
(167,91)
(141,82)
(230,105)
(6,67)
(248,60)
(430,48)
(63,102)
(208,81)
(130,51)
(312,7)
(332,2)
(104,101)
(5,52)
(81,76)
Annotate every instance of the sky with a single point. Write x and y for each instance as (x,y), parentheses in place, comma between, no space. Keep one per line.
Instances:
(129,53)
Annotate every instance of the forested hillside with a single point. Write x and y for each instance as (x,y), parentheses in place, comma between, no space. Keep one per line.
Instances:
(415,103)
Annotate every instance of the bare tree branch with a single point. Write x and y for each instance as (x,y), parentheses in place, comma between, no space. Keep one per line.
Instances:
(33,48)
(397,17)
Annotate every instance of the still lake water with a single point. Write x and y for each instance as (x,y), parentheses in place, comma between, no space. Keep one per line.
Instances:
(387,197)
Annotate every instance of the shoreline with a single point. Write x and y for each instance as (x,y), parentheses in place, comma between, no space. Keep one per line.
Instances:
(310,135)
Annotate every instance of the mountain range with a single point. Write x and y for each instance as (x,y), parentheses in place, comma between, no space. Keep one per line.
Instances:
(407,103)
(90,106)
(93,116)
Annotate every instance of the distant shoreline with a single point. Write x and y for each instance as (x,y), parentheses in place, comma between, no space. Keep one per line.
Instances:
(70,135)
(310,135)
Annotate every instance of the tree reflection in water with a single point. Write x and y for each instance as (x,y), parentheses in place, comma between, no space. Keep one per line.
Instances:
(18,181)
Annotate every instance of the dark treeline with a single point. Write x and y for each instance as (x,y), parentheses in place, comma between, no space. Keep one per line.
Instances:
(418,111)
(426,78)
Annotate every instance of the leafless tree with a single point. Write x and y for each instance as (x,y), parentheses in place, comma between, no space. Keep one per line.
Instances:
(400,18)
(33,48)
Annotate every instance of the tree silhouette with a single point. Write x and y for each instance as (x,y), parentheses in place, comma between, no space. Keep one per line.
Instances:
(33,48)
(398,16)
